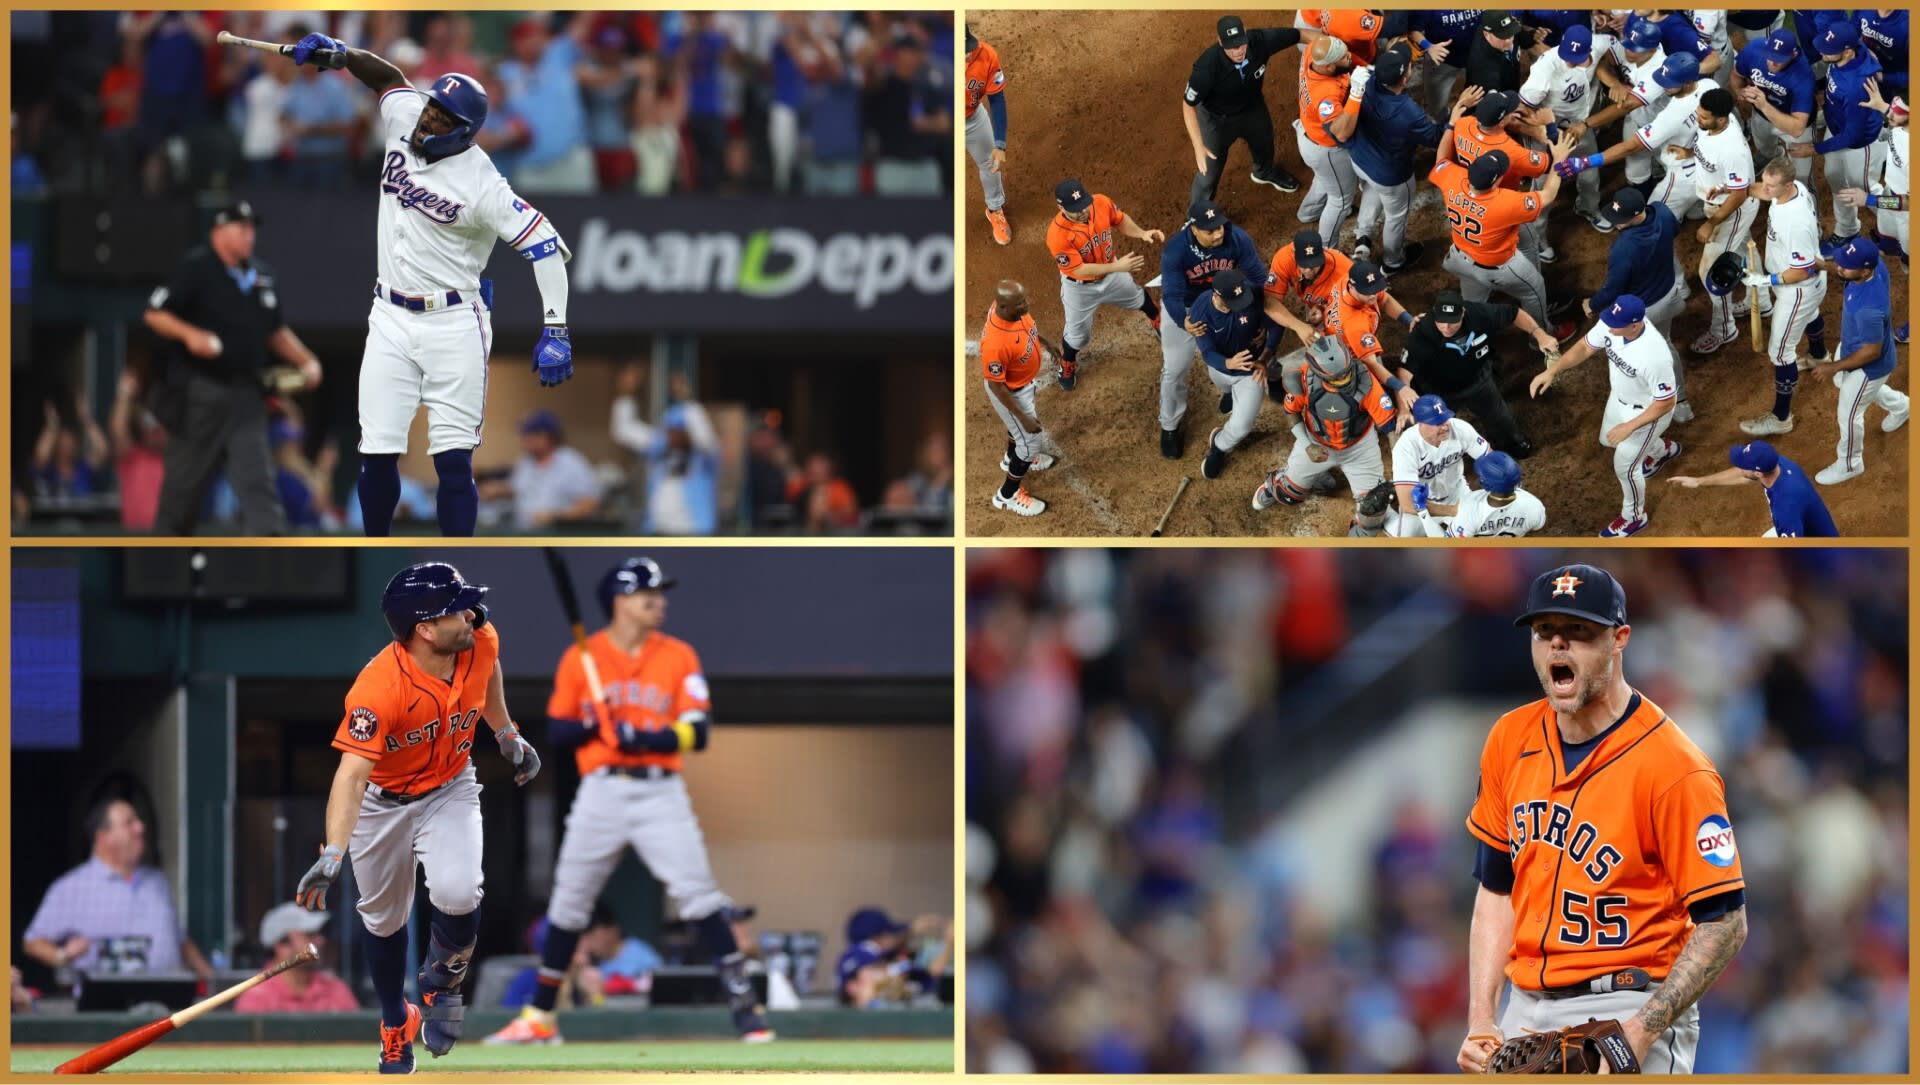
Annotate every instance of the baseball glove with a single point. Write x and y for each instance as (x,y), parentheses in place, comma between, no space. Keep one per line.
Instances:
(1581,1049)
(1377,501)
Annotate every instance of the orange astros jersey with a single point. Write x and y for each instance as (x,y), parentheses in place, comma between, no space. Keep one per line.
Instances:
(1285,279)
(1470,141)
(1009,350)
(984,76)
(1354,323)
(417,729)
(1358,28)
(1485,228)
(1089,242)
(1607,858)
(1322,98)
(649,689)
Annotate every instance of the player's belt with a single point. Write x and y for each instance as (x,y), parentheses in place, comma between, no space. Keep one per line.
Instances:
(1630,406)
(417,303)
(639,772)
(1627,979)
(400,799)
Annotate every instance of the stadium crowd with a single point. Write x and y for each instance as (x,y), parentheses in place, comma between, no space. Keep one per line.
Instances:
(1133,908)
(829,103)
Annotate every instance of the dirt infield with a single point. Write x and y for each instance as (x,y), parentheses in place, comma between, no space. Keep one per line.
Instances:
(1095,95)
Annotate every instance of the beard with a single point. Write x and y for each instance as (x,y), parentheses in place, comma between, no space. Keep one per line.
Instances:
(1583,689)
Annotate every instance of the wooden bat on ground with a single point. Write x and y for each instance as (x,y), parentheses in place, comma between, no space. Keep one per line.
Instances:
(1753,299)
(570,603)
(325,58)
(99,1058)
(1184,481)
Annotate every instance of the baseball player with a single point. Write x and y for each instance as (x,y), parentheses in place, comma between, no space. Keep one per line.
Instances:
(1486,220)
(1713,29)
(1639,406)
(1852,125)
(1747,26)
(1884,32)
(1865,359)
(1311,272)
(1010,355)
(1429,469)
(1363,29)
(1235,340)
(1796,287)
(1091,275)
(442,205)
(629,747)
(1792,502)
(1610,883)
(1208,244)
(1353,317)
(987,130)
(1890,193)
(1225,101)
(1678,34)
(1338,408)
(1392,128)
(1773,79)
(1641,262)
(1502,508)
(405,796)
(1722,174)
(1670,131)
(1330,92)
(1633,93)
(1559,91)
(1486,131)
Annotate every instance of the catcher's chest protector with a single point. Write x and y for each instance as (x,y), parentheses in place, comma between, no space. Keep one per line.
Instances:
(1332,405)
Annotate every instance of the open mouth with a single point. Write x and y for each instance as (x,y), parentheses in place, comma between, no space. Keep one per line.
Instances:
(1560,678)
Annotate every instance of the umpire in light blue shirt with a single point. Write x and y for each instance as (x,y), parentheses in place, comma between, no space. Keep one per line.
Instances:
(1392,127)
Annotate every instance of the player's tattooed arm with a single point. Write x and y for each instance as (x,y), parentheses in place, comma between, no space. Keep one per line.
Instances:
(1707,954)
(375,71)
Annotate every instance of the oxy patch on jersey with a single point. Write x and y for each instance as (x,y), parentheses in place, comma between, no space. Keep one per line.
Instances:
(395,181)
(1714,840)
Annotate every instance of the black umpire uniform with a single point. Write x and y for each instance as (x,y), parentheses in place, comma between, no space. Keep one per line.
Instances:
(1459,368)
(212,396)
(1492,68)
(1231,104)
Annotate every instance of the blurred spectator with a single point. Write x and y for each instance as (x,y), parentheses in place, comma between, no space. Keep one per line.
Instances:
(701,56)
(769,467)
(682,454)
(20,996)
(62,467)
(910,117)
(319,116)
(551,483)
(835,135)
(549,123)
(286,931)
(120,88)
(139,451)
(27,178)
(173,87)
(110,915)
(793,56)
(890,963)
(657,111)
(931,482)
(825,501)
(616,963)
(607,78)
(264,129)
(447,44)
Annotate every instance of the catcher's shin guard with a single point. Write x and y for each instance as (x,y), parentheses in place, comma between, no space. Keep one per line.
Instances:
(1290,491)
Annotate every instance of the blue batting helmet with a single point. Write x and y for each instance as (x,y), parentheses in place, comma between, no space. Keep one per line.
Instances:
(421,593)
(464,97)
(631,575)
(1498,472)
(1431,411)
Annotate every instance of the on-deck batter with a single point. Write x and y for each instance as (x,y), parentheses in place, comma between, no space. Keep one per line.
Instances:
(405,797)
(1610,882)
(430,329)
(631,793)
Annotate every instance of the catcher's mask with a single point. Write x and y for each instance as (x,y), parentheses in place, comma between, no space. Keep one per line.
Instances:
(1329,360)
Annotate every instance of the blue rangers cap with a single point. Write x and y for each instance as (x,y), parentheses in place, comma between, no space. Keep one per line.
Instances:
(1626,310)
(1678,70)
(1781,46)
(1642,36)
(1576,45)
(1578,591)
(1431,411)
(1858,254)
(1754,456)
(1839,38)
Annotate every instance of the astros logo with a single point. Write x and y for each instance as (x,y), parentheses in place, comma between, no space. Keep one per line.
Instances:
(362,724)
(1714,840)
(1564,585)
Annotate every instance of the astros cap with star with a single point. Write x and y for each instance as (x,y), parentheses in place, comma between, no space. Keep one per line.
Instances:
(1578,591)
(1072,195)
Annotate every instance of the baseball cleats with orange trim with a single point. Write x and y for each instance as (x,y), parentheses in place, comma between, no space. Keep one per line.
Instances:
(1021,503)
(532,1028)
(396,1044)
(1002,233)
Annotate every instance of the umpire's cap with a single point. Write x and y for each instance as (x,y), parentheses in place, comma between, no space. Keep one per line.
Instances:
(1578,591)
(236,211)
(429,590)
(631,575)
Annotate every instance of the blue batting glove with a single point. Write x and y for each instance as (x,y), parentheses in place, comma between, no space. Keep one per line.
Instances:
(313,43)
(1420,498)
(553,357)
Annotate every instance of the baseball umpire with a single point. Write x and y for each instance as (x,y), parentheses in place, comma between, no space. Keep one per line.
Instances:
(1224,102)
(1207,245)
(1450,353)
(1611,894)
(1792,502)
(221,308)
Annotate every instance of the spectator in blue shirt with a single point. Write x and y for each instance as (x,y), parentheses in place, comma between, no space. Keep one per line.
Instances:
(319,114)
(834,127)
(543,94)
(701,55)
(607,76)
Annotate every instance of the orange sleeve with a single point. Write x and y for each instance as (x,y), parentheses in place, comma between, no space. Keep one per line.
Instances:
(1438,174)
(1695,837)
(569,687)
(1517,207)
(1380,407)
(692,694)
(370,710)
(1065,248)
(1488,819)
(1527,163)
(1285,274)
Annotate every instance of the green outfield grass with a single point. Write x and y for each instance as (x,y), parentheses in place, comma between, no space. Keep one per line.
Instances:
(669,1056)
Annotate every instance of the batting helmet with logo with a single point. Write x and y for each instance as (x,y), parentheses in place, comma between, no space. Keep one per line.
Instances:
(632,575)
(1498,472)
(1725,273)
(421,593)
(1328,359)
(464,98)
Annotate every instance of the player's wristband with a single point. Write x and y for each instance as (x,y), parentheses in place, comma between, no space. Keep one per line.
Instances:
(1406,319)
(1595,161)
(1394,384)
(1774,279)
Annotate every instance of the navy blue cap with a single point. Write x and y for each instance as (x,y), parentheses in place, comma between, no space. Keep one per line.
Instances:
(1625,206)
(1230,286)
(1494,106)
(1626,310)
(235,211)
(1858,254)
(1839,37)
(870,923)
(1391,67)
(1487,170)
(1578,591)
(1366,278)
(1678,70)
(1576,45)
(1309,250)
(541,420)
(1754,456)
(1782,46)
(1206,215)
(1431,411)
(1072,195)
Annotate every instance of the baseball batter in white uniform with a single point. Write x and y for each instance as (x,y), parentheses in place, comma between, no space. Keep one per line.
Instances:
(1639,55)
(1722,176)
(1795,286)
(1888,196)
(1485,514)
(633,701)
(1429,469)
(442,206)
(1559,90)
(1640,402)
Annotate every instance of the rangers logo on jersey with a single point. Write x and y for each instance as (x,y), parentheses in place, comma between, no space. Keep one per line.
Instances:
(396,181)
(1715,840)
(362,724)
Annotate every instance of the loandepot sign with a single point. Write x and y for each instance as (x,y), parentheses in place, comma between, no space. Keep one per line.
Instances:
(774,262)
